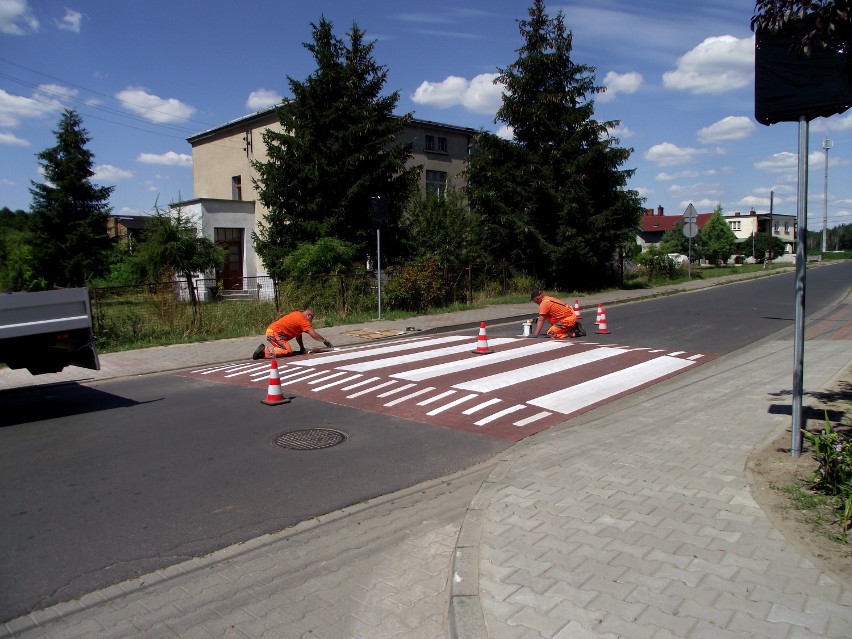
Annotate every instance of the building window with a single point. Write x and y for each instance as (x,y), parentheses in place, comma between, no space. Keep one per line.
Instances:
(430,143)
(786,227)
(735,225)
(436,182)
(442,145)
(237,187)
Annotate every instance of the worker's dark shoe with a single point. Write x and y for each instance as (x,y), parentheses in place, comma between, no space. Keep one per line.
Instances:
(260,352)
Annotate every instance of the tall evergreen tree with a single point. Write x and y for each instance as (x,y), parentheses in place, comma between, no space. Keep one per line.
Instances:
(564,185)
(69,213)
(337,149)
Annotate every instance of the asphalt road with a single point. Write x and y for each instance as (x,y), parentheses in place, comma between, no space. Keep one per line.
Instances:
(719,320)
(102,482)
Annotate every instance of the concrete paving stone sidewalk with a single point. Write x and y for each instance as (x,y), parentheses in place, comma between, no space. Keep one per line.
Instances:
(633,520)
(637,521)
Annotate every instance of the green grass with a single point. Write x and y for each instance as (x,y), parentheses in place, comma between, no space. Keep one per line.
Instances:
(820,512)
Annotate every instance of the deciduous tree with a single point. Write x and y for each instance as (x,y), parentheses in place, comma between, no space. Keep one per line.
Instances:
(173,247)
(832,21)
(716,241)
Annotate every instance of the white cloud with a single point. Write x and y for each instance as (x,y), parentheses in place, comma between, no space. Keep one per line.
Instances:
(479,95)
(169,158)
(717,65)
(616,83)
(262,98)
(680,175)
(778,163)
(70,21)
(506,132)
(441,94)
(839,124)
(621,132)
(668,154)
(755,202)
(109,173)
(700,188)
(54,92)
(13,140)
(16,17)
(704,205)
(15,108)
(152,107)
(727,129)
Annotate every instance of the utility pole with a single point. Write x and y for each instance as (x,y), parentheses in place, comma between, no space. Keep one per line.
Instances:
(769,230)
(826,144)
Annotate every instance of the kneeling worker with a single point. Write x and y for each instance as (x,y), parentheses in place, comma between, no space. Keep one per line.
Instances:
(561,316)
(291,326)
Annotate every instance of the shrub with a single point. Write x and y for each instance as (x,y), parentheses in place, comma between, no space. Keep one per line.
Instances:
(416,287)
(833,476)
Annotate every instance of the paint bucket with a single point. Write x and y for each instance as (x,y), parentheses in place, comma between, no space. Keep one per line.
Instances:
(527,327)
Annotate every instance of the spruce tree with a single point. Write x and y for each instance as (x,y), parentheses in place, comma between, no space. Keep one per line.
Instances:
(337,149)
(564,182)
(69,213)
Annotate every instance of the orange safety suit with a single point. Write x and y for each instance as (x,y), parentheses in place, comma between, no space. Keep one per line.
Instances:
(284,329)
(561,317)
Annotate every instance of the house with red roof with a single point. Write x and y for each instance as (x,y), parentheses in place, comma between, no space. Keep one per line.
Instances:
(654,223)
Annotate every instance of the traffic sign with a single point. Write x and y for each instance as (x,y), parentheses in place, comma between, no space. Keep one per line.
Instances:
(690,215)
(690,228)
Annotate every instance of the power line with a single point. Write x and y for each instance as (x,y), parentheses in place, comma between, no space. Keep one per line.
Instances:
(179,132)
(125,102)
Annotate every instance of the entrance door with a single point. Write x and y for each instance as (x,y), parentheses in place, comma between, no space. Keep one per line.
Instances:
(231,273)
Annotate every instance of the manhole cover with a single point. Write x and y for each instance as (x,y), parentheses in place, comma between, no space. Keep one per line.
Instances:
(310,439)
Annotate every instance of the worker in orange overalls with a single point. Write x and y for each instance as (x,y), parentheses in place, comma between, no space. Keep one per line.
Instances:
(563,321)
(281,331)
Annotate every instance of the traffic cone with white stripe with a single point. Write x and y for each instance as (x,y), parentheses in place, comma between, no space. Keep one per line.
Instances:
(482,341)
(274,396)
(602,329)
(577,312)
(598,316)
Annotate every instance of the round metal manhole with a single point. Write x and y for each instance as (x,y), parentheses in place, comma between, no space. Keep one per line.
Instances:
(309,439)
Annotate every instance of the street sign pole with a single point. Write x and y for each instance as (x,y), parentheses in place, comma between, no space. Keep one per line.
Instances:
(690,229)
(379,212)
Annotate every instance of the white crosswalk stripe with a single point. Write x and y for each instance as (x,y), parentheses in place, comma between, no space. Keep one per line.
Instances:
(536,371)
(582,395)
(520,388)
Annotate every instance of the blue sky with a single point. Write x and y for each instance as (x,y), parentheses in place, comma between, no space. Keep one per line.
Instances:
(146,75)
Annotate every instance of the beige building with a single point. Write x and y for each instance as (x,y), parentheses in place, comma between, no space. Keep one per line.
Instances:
(225,201)
(747,226)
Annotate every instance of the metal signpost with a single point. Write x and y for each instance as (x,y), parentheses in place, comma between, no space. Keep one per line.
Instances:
(690,230)
(379,212)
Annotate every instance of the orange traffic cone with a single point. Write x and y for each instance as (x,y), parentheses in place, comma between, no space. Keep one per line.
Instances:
(274,396)
(577,312)
(598,316)
(602,329)
(482,341)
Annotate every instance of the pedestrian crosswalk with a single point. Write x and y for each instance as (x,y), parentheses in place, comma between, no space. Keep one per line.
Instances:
(521,388)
